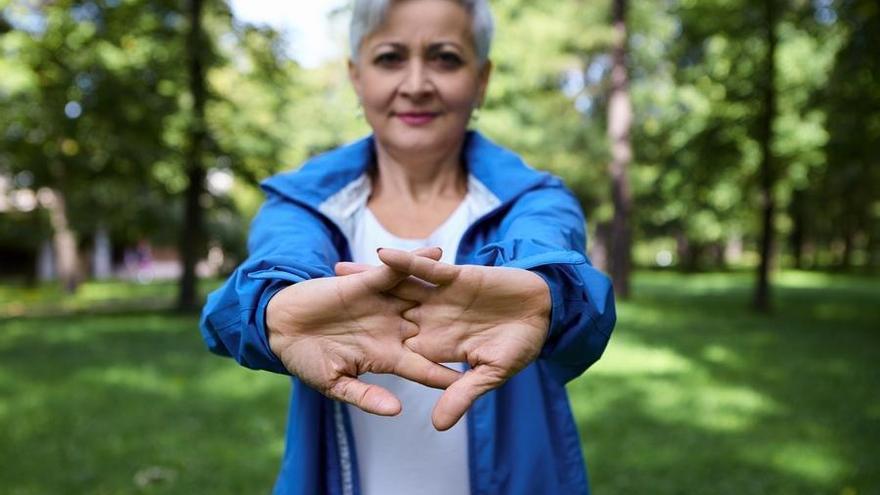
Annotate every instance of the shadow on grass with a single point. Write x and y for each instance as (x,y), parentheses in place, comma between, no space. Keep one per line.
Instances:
(695,395)
(132,404)
(698,395)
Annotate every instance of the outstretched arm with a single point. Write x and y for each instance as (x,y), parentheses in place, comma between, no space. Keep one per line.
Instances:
(544,233)
(281,311)
(542,239)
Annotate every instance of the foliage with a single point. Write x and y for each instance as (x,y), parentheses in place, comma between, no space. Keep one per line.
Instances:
(695,73)
(85,110)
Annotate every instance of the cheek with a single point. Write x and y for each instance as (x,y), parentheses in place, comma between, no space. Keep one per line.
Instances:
(461,95)
(377,92)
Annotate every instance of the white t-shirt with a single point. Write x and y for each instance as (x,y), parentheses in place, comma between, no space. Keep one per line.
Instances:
(405,454)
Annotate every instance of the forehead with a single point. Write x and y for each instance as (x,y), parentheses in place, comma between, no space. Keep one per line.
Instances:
(415,22)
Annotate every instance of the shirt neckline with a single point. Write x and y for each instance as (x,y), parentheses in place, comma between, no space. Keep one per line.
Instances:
(457,212)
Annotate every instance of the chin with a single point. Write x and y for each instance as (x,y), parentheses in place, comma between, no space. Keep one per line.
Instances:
(423,139)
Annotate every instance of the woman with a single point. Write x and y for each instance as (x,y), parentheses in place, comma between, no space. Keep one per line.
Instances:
(481,267)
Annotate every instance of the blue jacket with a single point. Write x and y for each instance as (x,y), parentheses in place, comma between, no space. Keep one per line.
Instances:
(522,438)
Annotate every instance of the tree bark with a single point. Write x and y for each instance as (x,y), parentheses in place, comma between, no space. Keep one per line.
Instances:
(761,300)
(620,116)
(847,252)
(102,259)
(796,210)
(873,249)
(192,238)
(599,246)
(63,239)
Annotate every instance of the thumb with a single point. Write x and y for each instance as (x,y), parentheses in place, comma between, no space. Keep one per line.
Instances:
(460,396)
(344,268)
(370,398)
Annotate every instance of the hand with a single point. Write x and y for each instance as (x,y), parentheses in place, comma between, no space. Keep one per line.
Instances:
(495,319)
(327,331)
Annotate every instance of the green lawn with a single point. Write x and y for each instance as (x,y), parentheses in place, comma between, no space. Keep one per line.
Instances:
(694,395)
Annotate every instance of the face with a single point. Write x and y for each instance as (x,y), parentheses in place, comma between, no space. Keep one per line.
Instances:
(418,76)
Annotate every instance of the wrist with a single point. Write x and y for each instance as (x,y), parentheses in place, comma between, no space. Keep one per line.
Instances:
(540,295)
(276,319)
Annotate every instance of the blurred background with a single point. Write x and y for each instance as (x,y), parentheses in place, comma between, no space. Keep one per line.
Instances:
(726,153)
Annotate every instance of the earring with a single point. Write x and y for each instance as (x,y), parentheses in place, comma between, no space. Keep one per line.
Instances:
(475,115)
(359,112)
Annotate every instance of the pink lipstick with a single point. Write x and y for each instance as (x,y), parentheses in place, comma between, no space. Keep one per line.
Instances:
(417,118)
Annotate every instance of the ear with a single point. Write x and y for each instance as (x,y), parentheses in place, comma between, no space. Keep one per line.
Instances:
(354,75)
(483,81)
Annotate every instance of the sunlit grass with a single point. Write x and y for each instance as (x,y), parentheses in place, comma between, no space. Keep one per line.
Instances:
(694,395)
(132,404)
(91,296)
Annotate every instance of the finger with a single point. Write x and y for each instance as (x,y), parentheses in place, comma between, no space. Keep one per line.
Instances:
(426,269)
(434,253)
(412,289)
(437,346)
(383,278)
(344,268)
(413,314)
(370,398)
(408,329)
(459,396)
(418,369)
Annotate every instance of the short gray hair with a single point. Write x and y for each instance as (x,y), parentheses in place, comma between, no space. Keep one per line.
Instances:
(368,15)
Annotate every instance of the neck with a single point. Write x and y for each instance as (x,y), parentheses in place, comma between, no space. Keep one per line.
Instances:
(419,178)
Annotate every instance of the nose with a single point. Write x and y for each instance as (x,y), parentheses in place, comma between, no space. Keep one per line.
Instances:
(416,82)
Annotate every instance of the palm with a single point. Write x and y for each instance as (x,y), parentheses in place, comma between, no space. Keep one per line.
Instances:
(489,316)
(328,331)
(495,319)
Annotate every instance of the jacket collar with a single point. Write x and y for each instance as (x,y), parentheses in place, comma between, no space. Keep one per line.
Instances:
(504,173)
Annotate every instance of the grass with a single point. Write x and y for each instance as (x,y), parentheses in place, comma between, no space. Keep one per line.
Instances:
(697,395)
(92,297)
(694,395)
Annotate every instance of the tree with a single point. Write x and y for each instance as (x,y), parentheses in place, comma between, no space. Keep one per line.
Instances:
(84,110)
(850,186)
(620,117)
(192,235)
(768,171)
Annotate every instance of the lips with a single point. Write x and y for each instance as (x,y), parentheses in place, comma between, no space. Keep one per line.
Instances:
(417,118)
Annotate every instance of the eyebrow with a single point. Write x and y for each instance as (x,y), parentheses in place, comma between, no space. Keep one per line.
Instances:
(433,46)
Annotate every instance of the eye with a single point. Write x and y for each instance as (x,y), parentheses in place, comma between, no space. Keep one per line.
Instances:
(388,59)
(449,60)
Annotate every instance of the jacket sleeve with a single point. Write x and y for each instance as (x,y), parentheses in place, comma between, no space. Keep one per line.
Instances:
(544,232)
(288,243)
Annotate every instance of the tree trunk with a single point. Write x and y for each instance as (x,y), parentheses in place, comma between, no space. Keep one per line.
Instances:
(682,250)
(599,246)
(718,259)
(102,258)
(46,271)
(191,239)
(873,249)
(768,175)
(797,229)
(63,239)
(620,116)
(846,255)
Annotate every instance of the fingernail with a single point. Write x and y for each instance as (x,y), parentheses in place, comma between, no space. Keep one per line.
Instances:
(379,249)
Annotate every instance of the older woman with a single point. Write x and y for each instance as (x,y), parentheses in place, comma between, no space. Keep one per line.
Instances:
(423,244)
